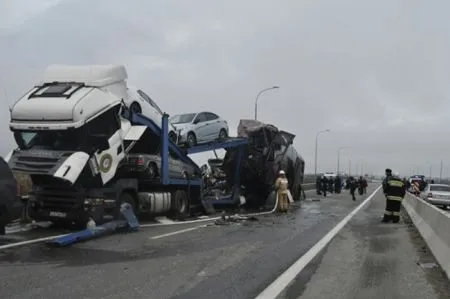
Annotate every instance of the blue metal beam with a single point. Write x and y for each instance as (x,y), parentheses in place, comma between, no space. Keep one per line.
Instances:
(165,150)
(232,142)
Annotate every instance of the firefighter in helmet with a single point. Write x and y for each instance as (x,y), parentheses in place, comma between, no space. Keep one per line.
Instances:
(394,190)
(281,186)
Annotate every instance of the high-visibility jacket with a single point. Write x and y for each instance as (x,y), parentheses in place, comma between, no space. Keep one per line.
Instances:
(394,188)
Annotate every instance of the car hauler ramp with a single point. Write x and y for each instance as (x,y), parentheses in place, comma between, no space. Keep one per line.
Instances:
(182,153)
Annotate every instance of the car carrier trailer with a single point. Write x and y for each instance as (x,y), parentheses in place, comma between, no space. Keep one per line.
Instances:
(165,195)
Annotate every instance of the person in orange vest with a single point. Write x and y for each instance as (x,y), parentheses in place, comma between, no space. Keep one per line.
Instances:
(281,186)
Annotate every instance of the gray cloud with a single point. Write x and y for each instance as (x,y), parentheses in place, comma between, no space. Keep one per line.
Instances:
(375,72)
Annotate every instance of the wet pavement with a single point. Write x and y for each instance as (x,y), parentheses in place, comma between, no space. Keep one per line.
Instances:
(202,260)
(370,259)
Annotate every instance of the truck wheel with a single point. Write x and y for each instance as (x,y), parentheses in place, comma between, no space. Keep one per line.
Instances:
(180,204)
(125,197)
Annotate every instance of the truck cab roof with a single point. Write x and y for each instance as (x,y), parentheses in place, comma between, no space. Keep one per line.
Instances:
(68,96)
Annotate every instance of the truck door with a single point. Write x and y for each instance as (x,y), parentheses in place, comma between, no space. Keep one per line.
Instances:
(106,135)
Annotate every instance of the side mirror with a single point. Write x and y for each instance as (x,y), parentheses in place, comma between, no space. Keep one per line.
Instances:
(100,142)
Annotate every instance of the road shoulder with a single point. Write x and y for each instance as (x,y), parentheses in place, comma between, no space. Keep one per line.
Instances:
(370,259)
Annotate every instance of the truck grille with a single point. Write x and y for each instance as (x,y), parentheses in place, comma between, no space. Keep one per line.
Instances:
(35,164)
(62,199)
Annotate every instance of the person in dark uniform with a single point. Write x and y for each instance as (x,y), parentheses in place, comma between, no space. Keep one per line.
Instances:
(365,185)
(330,185)
(318,185)
(337,184)
(352,184)
(324,185)
(394,189)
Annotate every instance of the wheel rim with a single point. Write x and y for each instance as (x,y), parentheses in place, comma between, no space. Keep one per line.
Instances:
(222,134)
(182,206)
(191,139)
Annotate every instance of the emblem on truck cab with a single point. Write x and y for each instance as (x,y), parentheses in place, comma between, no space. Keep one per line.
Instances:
(105,163)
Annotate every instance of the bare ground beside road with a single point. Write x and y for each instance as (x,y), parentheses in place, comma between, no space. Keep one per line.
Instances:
(234,261)
(369,259)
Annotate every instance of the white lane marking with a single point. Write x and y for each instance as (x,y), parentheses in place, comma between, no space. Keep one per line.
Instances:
(23,243)
(277,286)
(39,240)
(177,232)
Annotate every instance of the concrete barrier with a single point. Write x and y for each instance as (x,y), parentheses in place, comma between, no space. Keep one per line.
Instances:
(434,226)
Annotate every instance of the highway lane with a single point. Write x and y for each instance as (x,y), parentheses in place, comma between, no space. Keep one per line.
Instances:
(369,259)
(198,261)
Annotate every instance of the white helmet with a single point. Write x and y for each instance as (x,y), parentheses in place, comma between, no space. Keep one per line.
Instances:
(281,172)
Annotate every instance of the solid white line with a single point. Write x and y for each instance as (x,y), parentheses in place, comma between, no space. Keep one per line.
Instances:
(177,232)
(23,243)
(276,287)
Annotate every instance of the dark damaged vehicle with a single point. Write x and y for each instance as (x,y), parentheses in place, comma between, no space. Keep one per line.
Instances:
(10,205)
(269,150)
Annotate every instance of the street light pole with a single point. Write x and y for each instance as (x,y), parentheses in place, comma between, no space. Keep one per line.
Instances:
(257,98)
(315,155)
(339,157)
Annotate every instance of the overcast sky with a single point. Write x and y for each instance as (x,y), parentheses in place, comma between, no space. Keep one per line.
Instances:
(375,72)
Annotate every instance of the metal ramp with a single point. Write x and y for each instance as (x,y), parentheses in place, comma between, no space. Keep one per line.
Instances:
(129,224)
(167,145)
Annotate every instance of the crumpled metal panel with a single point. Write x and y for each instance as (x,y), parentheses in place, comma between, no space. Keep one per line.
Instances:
(258,169)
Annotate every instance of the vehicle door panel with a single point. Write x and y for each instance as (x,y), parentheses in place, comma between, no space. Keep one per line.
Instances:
(201,128)
(214,126)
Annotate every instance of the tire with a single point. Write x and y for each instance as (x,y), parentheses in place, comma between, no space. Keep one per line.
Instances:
(125,197)
(136,108)
(173,137)
(223,135)
(191,139)
(152,171)
(180,204)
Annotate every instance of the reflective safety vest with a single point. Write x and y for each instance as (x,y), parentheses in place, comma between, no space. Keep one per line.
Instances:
(394,188)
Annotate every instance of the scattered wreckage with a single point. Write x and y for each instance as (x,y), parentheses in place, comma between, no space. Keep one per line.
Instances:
(88,152)
(269,150)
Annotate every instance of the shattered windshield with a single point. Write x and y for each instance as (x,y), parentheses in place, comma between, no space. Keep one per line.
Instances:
(182,118)
(54,140)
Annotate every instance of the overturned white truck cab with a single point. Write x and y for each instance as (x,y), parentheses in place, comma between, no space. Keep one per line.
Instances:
(71,138)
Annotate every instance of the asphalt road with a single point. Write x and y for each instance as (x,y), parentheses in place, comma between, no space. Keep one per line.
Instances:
(203,260)
(369,259)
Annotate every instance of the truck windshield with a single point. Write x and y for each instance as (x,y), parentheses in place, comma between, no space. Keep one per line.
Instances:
(55,140)
(182,118)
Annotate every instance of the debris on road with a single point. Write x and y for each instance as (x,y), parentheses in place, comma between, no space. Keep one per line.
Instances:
(236,218)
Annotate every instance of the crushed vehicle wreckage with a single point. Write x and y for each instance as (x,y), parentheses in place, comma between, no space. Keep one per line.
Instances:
(83,170)
(269,150)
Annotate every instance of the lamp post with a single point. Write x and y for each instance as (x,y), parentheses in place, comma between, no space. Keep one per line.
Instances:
(257,98)
(315,156)
(339,157)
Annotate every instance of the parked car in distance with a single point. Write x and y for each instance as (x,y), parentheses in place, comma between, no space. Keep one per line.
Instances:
(437,194)
(139,102)
(195,128)
(148,167)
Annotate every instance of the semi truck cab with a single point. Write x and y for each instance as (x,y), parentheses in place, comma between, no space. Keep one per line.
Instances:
(70,137)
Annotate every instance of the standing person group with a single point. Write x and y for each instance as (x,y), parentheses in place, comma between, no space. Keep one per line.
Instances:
(394,189)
